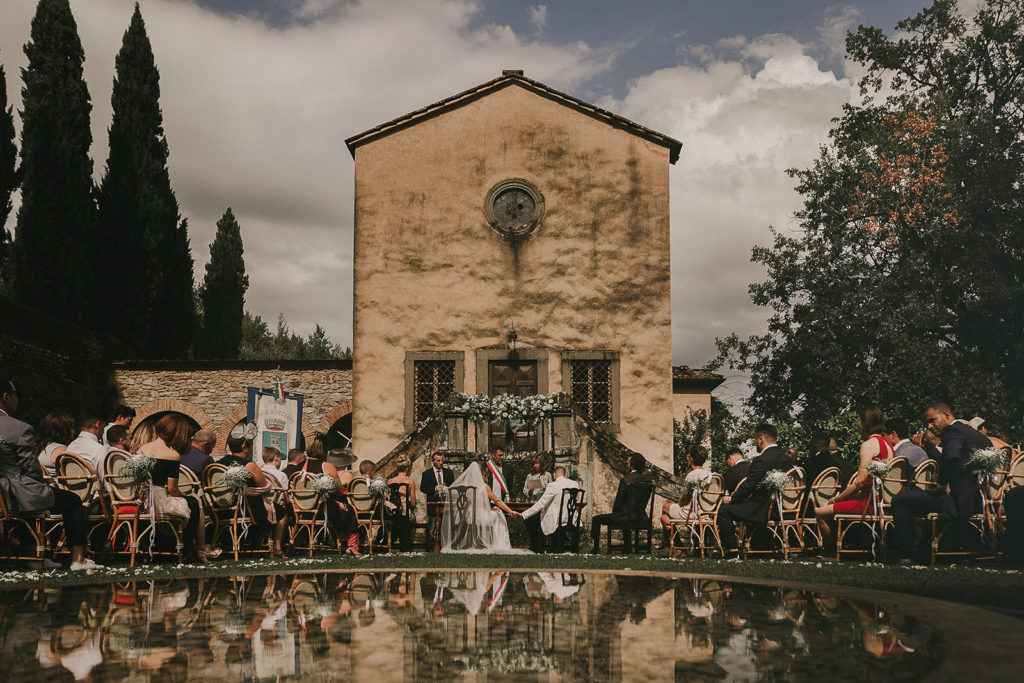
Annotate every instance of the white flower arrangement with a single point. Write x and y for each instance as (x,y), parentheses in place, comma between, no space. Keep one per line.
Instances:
(378,487)
(324,485)
(236,478)
(986,461)
(696,480)
(138,468)
(878,468)
(441,491)
(477,408)
(775,482)
(508,410)
(537,407)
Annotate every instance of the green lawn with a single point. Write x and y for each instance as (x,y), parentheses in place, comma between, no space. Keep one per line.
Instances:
(983,586)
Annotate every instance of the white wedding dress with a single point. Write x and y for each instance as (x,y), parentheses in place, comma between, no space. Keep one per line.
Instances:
(469,524)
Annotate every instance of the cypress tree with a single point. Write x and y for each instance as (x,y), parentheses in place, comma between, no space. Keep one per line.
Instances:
(55,240)
(174,323)
(8,171)
(223,292)
(150,303)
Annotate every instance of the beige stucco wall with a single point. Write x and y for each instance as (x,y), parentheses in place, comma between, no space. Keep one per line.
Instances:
(215,398)
(683,404)
(431,275)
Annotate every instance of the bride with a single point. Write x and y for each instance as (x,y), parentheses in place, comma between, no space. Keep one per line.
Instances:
(469,524)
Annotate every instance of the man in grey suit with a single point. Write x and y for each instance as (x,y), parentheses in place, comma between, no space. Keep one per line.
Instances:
(21,478)
(903,447)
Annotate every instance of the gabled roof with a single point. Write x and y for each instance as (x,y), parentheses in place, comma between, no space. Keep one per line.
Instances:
(507,78)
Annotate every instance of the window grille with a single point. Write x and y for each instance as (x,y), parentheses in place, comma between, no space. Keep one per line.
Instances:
(433,381)
(591,388)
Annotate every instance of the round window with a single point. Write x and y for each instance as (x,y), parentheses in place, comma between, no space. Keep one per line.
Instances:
(514,207)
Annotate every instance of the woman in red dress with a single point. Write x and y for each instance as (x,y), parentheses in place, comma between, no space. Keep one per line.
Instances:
(856,498)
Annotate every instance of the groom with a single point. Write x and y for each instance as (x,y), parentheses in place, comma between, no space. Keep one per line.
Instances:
(499,475)
(550,505)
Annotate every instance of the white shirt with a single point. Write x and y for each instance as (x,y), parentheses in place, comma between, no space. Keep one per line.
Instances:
(89,447)
(105,430)
(277,474)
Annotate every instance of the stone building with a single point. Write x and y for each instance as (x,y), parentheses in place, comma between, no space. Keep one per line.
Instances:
(512,206)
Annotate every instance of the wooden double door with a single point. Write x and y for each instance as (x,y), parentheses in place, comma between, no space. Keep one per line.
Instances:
(518,378)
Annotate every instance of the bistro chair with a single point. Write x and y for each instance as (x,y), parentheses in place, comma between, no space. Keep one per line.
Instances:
(787,505)
(703,519)
(310,516)
(369,510)
(76,474)
(874,520)
(824,486)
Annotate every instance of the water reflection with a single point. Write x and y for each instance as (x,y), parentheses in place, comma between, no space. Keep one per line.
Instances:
(444,626)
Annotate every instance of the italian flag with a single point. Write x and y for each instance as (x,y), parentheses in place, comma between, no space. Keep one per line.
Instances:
(279,391)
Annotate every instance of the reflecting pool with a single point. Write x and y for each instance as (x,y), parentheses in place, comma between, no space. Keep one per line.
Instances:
(472,626)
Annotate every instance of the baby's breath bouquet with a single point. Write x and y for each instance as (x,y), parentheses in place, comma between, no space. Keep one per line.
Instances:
(537,407)
(775,482)
(138,468)
(696,480)
(878,468)
(441,491)
(236,478)
(986,461)
(324,485)
(377,487)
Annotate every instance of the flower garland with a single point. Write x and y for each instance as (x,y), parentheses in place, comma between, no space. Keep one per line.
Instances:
(138,468)
(775,482)
(236,478)
(986,461)
(508,410)
(537,407)
(477,408)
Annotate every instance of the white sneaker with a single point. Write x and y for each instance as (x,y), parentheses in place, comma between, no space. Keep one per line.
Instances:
(85,565)
(50,564)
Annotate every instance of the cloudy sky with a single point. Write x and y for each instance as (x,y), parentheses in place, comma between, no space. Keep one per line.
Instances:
(259,96)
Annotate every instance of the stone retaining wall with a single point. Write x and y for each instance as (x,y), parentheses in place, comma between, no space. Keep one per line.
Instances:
(213,393)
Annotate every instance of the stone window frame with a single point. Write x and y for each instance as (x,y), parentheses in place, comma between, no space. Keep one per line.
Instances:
(614,426)
(410,376)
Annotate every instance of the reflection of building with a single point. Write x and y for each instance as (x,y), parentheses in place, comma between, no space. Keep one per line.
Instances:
(512,203)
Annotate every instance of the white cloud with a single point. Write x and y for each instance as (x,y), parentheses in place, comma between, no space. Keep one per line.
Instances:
(539,16)
(834,27)
(742,124)
(256,117)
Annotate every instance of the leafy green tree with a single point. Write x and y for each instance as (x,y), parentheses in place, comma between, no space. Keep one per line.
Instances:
(8,171)
(55,241)
(149,304)
(259,343)
(903,285)
(223,292)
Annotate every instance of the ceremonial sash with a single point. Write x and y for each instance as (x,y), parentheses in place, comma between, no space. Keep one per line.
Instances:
(499,591)
(496,473)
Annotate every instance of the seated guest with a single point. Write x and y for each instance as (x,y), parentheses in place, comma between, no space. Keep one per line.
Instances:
(119,439)
(271,468)
(55,432)
(436,475)
(536,480)
(855,499)
(630,506)
(737,469)
(367,468)
(87,444)
(404,513)
(22,482)
(956,496)
(751,503)
(240,452)
(295,460)
(542,517)
(902,445)
(172,440)
(123,416)
(821,459)
(994,433)
(198,456)
(142,435)
(696,461)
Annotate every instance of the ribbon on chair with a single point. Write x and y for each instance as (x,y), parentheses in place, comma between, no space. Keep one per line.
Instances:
(984,481)
(152,518)
(694,516)
(879,513)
